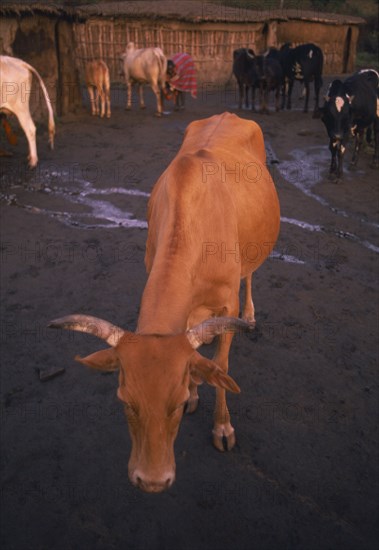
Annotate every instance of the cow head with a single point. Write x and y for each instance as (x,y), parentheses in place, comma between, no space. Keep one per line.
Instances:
(154,375)
(336,112)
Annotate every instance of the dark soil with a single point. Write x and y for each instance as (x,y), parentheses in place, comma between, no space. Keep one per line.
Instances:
(303,474)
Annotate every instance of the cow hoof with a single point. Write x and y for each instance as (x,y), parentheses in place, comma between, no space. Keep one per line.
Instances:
(224,443)
(158,114)
(224,437)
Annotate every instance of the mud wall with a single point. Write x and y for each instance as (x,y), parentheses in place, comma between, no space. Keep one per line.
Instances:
(338,42)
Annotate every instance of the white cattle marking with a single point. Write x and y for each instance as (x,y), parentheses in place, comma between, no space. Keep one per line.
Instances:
(339,103)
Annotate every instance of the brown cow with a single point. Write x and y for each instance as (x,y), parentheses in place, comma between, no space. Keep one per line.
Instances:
(98,84)
(213,219)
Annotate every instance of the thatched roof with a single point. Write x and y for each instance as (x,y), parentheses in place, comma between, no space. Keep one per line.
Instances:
(195,11)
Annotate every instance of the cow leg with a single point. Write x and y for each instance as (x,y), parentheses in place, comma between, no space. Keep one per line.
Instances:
(289,93)
(318,83)
(333,151)
(141,100)
(357,146)
(240,95)
(223,431)
(247,97)
(340,155)
(157,92)
(129,96)
(27,124)
(306,86)
(277,98)
(193,400)
(248,313)
(253,98)
(284,89)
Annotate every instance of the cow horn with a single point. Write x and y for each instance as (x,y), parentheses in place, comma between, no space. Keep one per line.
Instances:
(92,325)
(207,330)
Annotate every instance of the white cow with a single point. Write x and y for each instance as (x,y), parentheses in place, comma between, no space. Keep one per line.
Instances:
(15,87)
(144,66)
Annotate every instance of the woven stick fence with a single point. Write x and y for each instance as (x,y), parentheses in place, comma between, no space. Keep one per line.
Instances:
(212,50)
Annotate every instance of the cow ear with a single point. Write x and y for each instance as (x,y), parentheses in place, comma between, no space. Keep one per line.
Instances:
(104,360)
(205,370)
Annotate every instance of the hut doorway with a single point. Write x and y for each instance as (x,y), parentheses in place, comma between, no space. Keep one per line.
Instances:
(346,52)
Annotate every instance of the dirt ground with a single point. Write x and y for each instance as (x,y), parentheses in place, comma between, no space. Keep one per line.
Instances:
(303,474)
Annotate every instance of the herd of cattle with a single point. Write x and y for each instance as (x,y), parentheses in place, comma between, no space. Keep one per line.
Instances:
(192,295)
(349,109)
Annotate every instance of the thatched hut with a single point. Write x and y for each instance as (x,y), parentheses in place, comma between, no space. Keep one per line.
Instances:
(58,39)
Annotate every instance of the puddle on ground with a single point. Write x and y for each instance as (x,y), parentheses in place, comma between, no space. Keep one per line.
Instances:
(85,206)
(303,171)
(97,212)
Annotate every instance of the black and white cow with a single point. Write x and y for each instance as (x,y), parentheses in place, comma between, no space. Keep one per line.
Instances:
(303,63)
(351,107)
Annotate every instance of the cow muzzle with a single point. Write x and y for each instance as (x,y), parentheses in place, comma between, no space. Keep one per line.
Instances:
(149,485)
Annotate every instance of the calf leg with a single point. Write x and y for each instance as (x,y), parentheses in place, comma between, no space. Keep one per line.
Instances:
(92,100)
(108,102)
(101,99)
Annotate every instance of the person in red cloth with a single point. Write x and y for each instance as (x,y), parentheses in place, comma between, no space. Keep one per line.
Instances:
(181,78)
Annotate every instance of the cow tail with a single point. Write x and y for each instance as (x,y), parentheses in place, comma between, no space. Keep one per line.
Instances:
(48,105)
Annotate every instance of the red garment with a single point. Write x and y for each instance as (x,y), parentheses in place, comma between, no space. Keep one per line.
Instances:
(185,79)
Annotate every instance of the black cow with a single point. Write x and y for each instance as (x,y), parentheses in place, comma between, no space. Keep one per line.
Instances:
(270,78)
(303,63)
(351,107)
(244,70)
(257,71)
